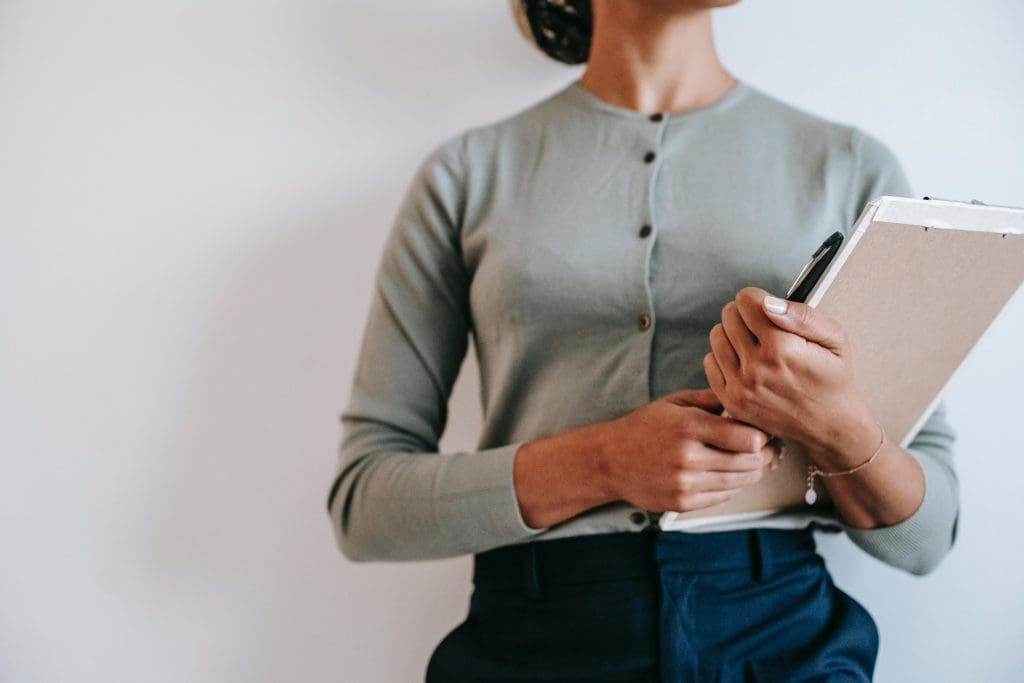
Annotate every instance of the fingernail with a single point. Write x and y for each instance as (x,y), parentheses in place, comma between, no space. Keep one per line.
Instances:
(776,305)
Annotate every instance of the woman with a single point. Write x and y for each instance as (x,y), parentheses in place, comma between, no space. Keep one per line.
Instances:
(612,249)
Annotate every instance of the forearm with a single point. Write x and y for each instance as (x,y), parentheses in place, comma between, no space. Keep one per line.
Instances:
(560,476)
(418,506)
(873,505)
(885,492)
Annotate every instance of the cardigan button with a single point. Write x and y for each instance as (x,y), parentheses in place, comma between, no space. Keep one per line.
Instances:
(656,117)
(649,157)
(638,517)
(644,321)
(645,231)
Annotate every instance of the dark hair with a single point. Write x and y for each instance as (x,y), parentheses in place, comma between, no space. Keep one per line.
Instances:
(561,28)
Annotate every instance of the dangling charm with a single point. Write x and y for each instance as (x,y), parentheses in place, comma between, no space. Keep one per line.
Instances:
(811,496)
(812,471)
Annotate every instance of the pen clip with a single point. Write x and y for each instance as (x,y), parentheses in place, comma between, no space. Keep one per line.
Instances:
(825,252)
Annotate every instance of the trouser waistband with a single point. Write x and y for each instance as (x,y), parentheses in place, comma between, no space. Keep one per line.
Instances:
(532,566)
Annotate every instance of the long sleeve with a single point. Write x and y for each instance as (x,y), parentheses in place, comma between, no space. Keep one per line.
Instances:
(395,496)
(920,542)
(526,233)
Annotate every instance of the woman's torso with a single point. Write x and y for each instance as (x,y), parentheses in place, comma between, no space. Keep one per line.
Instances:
(579,313)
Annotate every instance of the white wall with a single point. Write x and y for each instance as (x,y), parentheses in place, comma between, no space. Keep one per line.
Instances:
(193,198)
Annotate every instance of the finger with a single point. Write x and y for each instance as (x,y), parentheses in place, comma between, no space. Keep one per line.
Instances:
(714,374)
(700,398)
(726,481)
(774,450)
(724,352)
(759,307)
(805,321)
(749,307)
(714,459)
(708,498)
(726,433)
(739,335)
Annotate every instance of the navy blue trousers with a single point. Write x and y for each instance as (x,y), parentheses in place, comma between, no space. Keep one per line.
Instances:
(721,607)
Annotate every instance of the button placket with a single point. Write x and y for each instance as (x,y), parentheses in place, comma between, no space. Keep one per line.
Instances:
(645,319)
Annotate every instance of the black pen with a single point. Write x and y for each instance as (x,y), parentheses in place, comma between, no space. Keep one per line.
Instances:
(814,269)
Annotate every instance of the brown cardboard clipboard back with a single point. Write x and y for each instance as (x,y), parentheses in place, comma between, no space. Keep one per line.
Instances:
(916,283)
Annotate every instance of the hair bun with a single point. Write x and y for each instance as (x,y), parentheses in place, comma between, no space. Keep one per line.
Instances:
(560,28)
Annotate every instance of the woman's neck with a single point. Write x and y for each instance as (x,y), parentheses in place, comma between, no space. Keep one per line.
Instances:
(653,61)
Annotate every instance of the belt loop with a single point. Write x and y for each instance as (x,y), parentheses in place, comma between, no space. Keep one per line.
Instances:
(760,556)
(531,577)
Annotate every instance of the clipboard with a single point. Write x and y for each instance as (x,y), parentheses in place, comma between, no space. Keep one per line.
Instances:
(916,283)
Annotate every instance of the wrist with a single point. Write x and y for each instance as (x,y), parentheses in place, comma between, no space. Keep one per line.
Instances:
(559,476)
(848,444)
(595,455)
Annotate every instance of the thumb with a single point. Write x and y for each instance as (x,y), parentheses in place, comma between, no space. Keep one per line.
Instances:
(698,398)
(805,321)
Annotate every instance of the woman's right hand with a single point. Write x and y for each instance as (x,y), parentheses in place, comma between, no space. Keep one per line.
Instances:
(677,454)
(674,453)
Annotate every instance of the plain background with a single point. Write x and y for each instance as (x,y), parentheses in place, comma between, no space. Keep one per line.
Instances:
(193,199)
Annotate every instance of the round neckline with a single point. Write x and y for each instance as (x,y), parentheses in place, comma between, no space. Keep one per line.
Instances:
(726,99)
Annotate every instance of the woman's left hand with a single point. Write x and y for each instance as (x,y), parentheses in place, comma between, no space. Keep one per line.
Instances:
(787,369)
